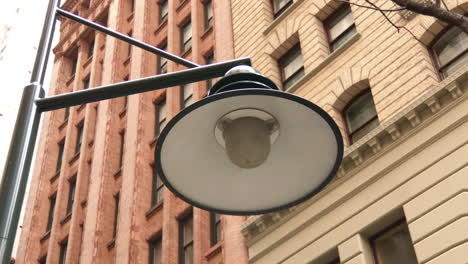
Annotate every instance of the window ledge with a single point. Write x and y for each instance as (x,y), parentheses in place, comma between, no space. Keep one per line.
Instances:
(282,16)
(161,25)
(130,17)
(207,32)
(55,176)
(81,107)
(156,208)
(64,124)
(111,244)
(88,61)
(72,78)
(329,59)
(66,218)
(123,112)
(186,52)
(74,158)
(45,236)
(153,141)
(118,173)
(181,5)
(127,60)
(214,250)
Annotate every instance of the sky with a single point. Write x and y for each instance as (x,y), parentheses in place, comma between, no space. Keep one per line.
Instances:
(24,18)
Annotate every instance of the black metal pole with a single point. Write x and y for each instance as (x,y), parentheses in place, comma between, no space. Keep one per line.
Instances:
(142,85)
(18,163)
(126,38)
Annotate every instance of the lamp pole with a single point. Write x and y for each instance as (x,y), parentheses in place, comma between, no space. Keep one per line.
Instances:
(18,162)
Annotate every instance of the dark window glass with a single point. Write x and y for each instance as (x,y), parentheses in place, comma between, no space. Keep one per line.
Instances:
(50,217)
(71,195)
(116,214)
(86,83)
(74,65)
(208,11)
(155,251)
(157,190)
(43,260)
(129,46)
(79,138)
(63,252)
(209,60)
(91,48)
(186,37)
(340,27)
(361,116)
(162,62)
(292,67)
(163,10)
(161,119)
(186,241)
(122,145)
(61,146)
(186,95)
(215,228)
(394,246)
(66,114)
(451,51)
(279,6)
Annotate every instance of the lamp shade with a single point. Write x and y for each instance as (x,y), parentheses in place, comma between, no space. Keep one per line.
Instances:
(249,150)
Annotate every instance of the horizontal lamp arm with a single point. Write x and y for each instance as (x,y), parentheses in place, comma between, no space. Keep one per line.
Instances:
(126,38)
(146,84)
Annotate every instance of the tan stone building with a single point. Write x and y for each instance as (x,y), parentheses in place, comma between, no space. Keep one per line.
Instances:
(94,197)
(401,102)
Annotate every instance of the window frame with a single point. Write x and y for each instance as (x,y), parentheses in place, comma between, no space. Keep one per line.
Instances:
(157,188)
(209,59)
(91,45)
(184,98)
(345,119)
(116,215)
(86,82)
(185,44)
(63,251)
(122,148)
(208,20)
(71,194)
(158,120)
(332,20)
(278,12)
(215,225)
(50,216)
(161,62)
(282,65)
(153,244)
(61,151)
(162,17)
(183,245)
(79,137)
(435,57)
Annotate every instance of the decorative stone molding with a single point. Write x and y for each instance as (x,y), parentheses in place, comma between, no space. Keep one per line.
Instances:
(356,156)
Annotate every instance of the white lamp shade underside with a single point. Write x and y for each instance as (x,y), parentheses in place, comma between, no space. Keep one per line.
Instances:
(301,160)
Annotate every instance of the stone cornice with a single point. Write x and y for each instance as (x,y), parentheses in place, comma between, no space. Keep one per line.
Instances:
(379,141)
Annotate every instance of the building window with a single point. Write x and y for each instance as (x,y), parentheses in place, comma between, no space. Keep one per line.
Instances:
(116,214)
(155,251)
(66,114)
(451,51)
(161,119)
(215,228)
(394,245)
(129,47)
(86,83)
(79,138)
(43,260)
(61,149)
(71,195)
(163,11)
(360,116)
(279,6)
(340,27)
(209,59)
(292,67)
(157,190)
(50,217)
(122,145)
(208,11)
(186,240)
(162,62)
(186,37)
(91,48)
(186,95)
(131,5)
(63,252)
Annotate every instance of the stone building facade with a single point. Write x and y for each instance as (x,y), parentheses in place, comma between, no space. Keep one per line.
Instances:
(401,102)
(94,197)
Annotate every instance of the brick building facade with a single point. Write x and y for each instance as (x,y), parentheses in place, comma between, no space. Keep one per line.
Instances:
(401,102)
(94,197)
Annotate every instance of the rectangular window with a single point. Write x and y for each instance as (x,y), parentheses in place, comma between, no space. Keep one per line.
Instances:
(71,195)
(74,65)
(292,67)
(155,251)
(61,149)
(66,114)
(161,119)
(50,217)
(63,252)
(91,48)
(122,145)
(186,240)
(162,62)
(451,51)
(157,190)
(129,47)
(186,95)
(86,83)
(208,12)
(215,228)
(361,116)
(279,6)
(394,245)
(209,60)
(163,11)
(132,6)
(116,215)
(340,27)
(79,138)
(186,37)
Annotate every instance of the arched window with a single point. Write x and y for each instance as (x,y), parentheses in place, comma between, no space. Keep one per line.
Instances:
(360,116)
(451,51)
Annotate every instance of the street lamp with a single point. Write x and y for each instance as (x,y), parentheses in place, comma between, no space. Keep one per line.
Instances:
(247,148)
